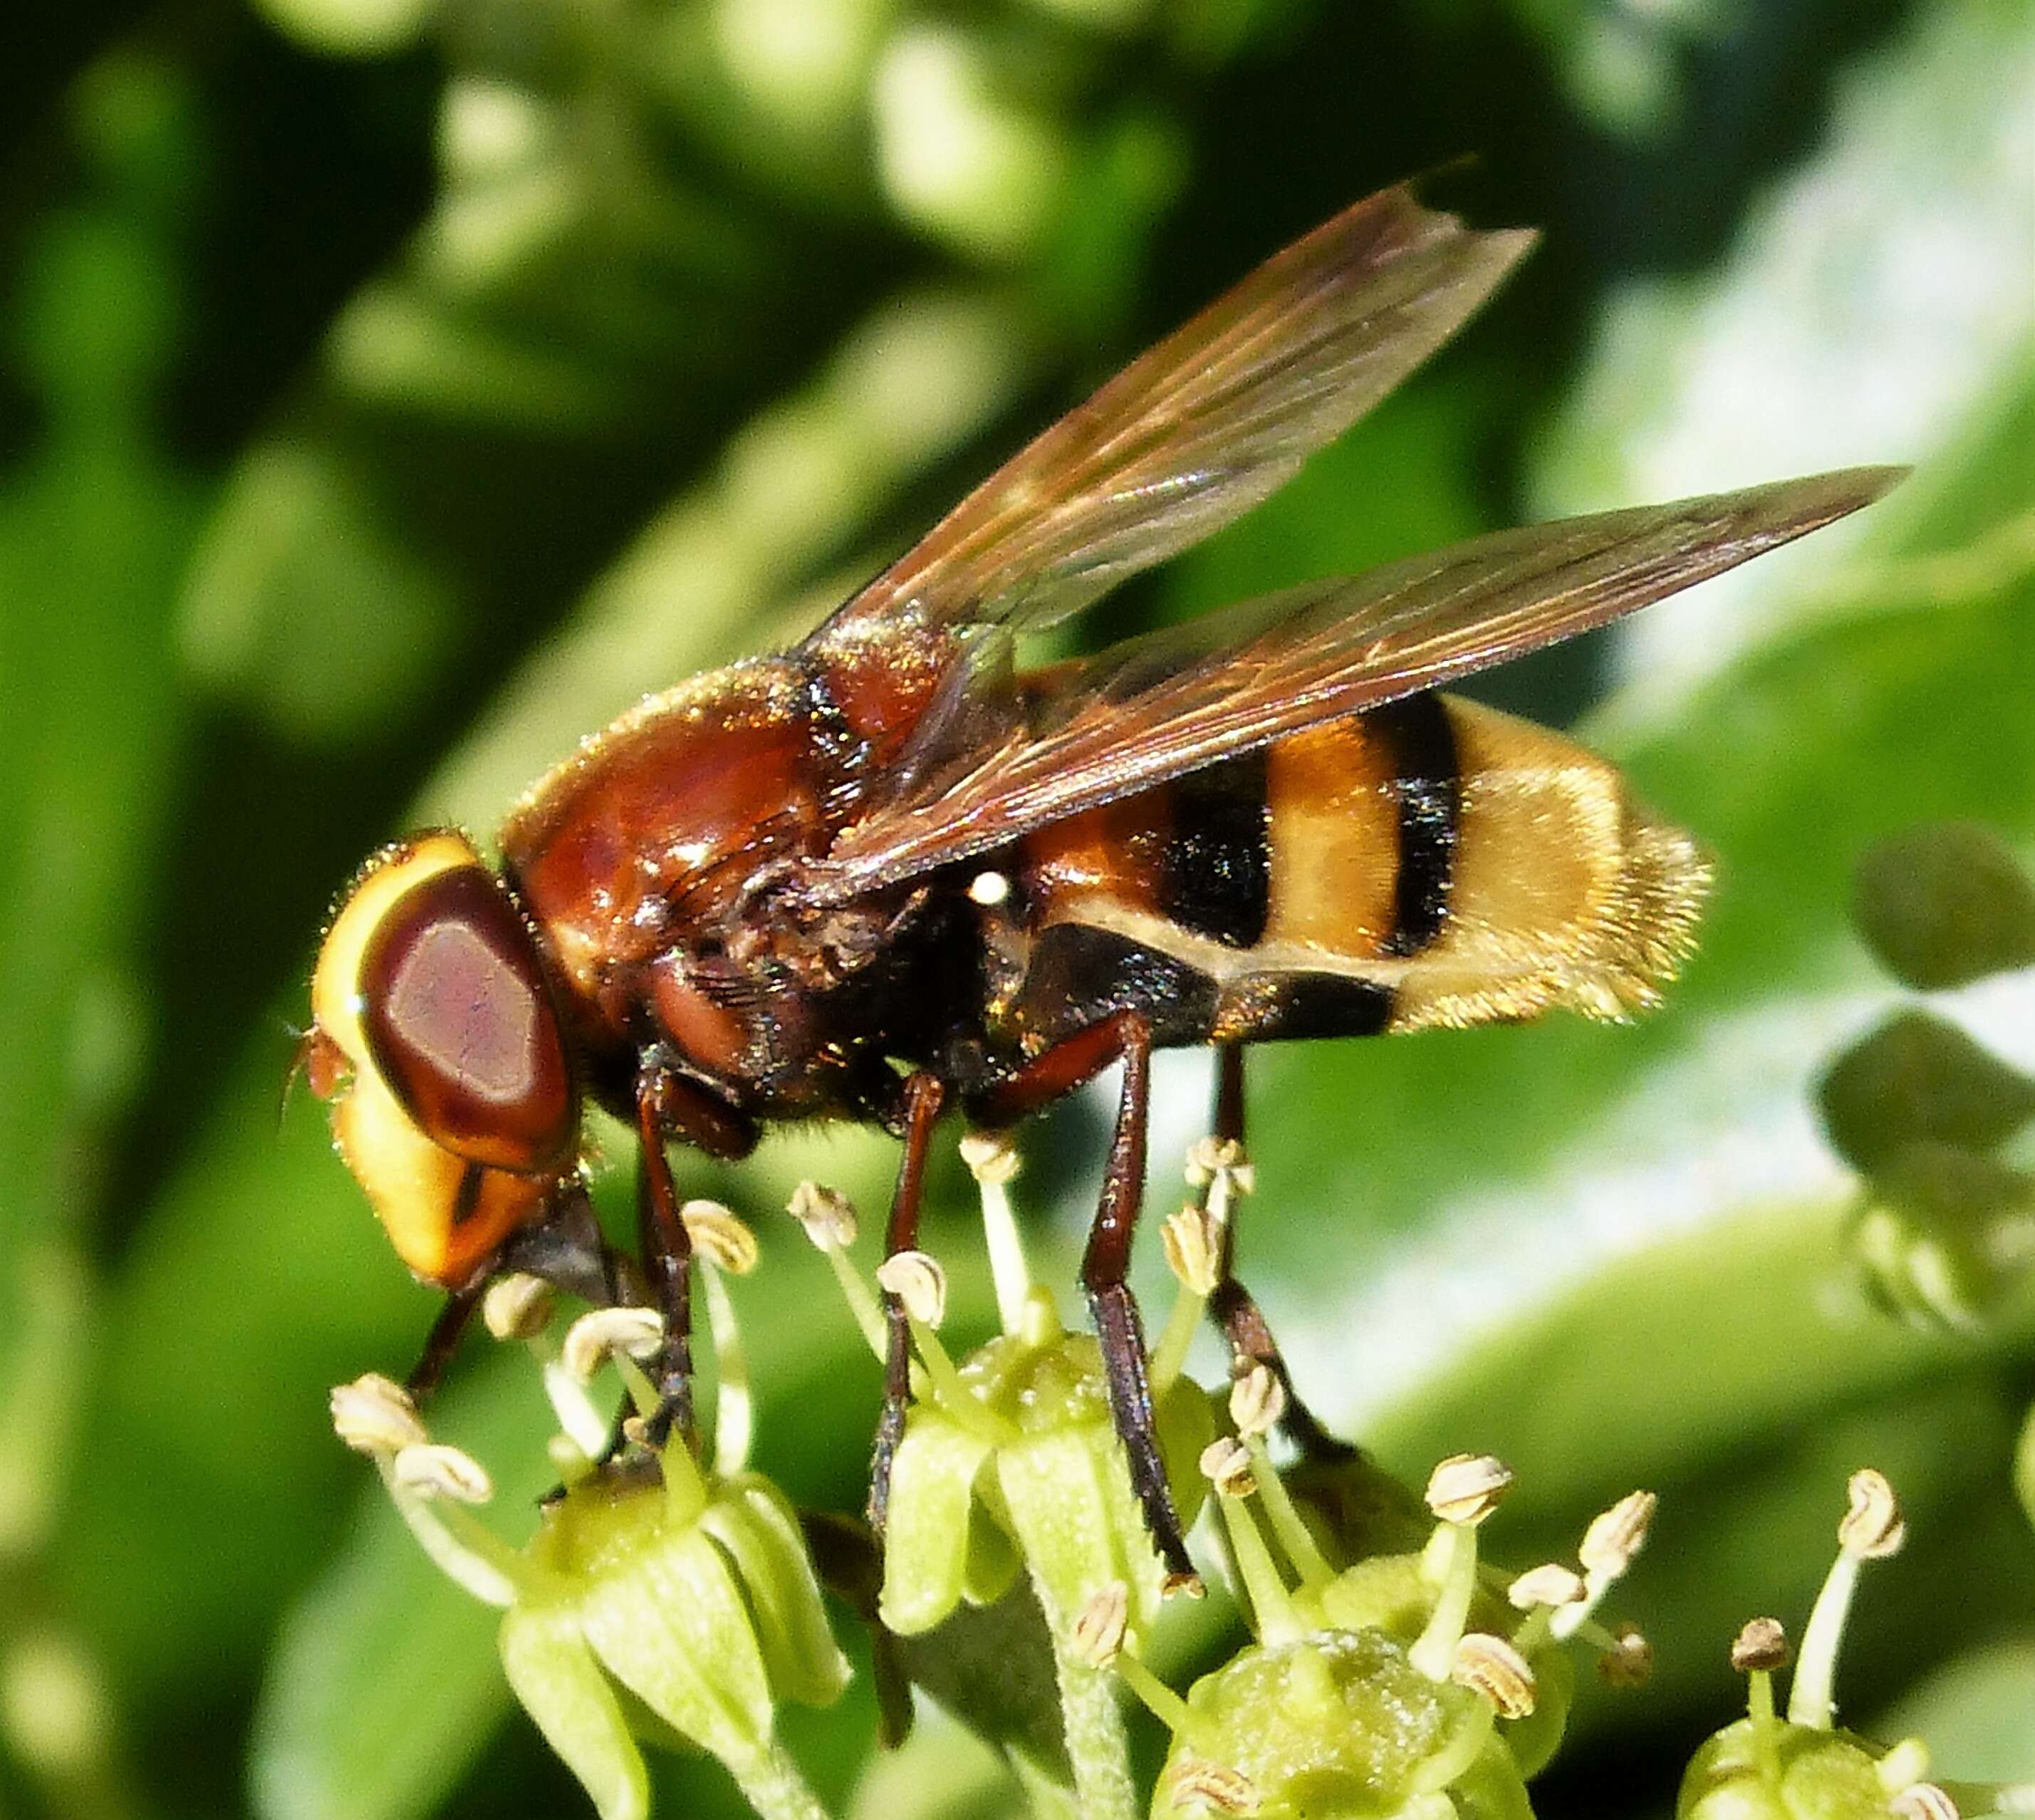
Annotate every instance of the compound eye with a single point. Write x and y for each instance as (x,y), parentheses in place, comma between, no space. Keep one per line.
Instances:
(455,1013)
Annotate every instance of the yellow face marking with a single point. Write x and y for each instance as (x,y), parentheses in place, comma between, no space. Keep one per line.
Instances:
(440,1227)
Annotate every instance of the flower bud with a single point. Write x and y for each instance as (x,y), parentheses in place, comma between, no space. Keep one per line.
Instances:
(1944,904)
(1945,1234)
(1920,1077)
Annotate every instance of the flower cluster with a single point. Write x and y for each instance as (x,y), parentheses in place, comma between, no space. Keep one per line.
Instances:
(1946,1225)
(1801,1765)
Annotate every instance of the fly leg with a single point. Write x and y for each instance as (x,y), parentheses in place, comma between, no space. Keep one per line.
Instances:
(923,1096)
(1124,1036)
(1234,1307)
(667,1106)
(443,1339)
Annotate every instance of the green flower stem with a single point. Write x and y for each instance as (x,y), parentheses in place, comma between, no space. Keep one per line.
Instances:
(1008,1270)
(460,1545)
(958,1403)
(861,1302)
(771,1784)
(1295,1537)
(735,1407)
(1766,1728)
(1434,1653)
(1165,1705)
(1271,1606)
(1092,1726)
(1456,1757)
(1169,1357)
(1809,1699)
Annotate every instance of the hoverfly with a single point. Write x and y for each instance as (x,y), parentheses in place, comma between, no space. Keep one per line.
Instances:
(890,872)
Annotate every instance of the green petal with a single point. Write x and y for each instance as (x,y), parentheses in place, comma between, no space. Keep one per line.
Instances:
(562,1689)
(752,1520)
(1077,1522)
(925,1541)
(673,1627)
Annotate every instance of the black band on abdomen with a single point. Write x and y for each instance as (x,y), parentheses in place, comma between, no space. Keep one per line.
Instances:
(1429,783)
(1215,870)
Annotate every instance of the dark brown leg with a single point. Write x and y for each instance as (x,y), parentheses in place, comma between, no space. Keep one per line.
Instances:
(1233,1305)
(1124,1036)
(668,1261)
(667,1106)
(443,1340)
(923,1095)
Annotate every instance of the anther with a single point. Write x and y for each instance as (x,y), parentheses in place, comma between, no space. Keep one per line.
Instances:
(1098,1630)
(433,1470)
(718,1235)
(824,1212)
(1615,1535)
(1551,1583)
(1873,1528)
(1214,1788)
(1257,1401)
(1489,1665)
(374,1415)
(1226,1464)
(595,1338)
(1629,1662)
(1924,1801)
(1193,1244)
(518,1306)
(1761,1647)
(1467,1487)
(992,1157)
(917,1281)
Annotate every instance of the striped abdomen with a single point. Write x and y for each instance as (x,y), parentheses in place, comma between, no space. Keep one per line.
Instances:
(1432,863)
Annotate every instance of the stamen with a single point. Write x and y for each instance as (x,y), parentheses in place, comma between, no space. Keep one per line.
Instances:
(1226,1464)
(992,1159)
(1489,1665)
(724,1240)
(1761,1647)
(518,1306)
(1629,1662)
(824,1212)
(1549,1586)
(1872,1529)
(1098,1630)
(607,1333)
(1465,1488)
(917,1281)
(1257,1401)
(433,1470)
(1212,1787)
(375,1414)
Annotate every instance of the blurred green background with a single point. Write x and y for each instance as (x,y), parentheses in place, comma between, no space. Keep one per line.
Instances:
(391,390)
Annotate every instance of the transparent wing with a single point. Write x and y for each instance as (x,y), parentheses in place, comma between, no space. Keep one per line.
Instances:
(1085,733)
(1201,427)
